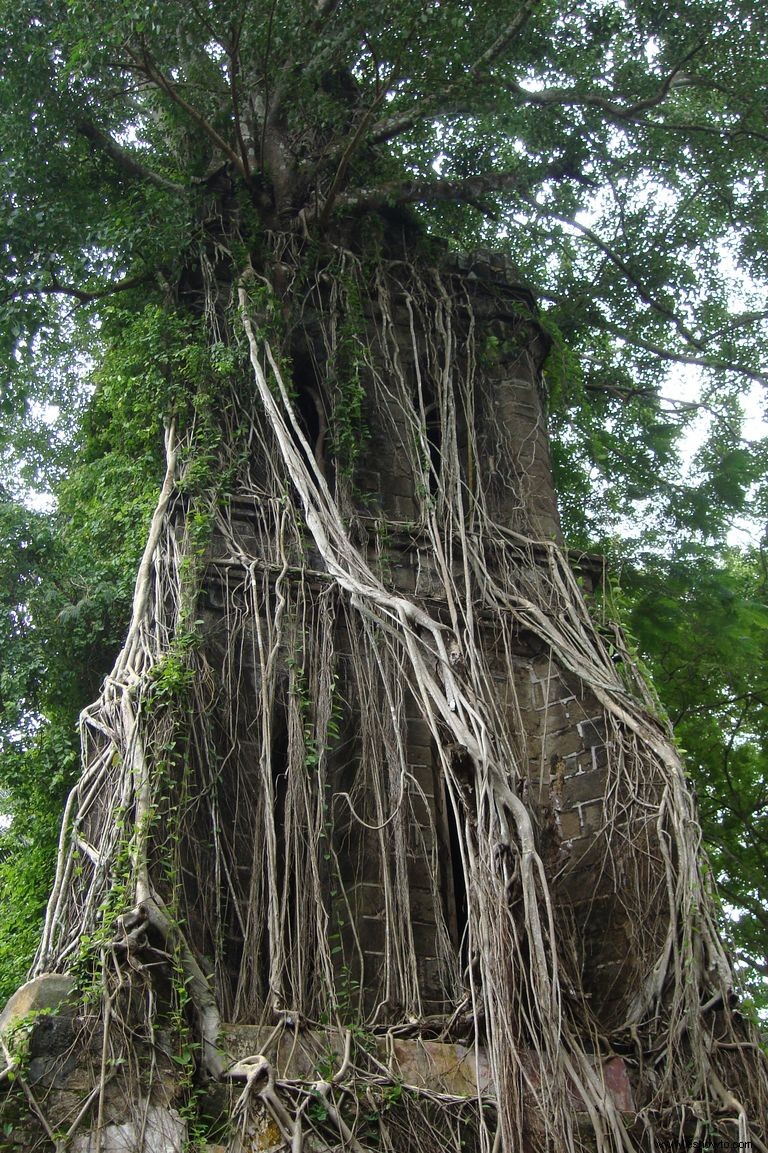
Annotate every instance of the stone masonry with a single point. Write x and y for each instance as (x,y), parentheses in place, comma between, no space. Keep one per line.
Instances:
(567,745)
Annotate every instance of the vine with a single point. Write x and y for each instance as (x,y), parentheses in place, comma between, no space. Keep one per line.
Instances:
(348,433)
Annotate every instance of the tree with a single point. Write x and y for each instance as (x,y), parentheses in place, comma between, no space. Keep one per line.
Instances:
(701,618)
(188,178)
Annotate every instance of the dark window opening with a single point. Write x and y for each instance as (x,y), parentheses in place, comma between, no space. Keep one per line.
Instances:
(434,437)
(240,783)
(310,409)
(456,883)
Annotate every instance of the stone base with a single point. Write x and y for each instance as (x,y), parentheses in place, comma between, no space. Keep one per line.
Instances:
(158,1129)
(63,1057)
(438,1066)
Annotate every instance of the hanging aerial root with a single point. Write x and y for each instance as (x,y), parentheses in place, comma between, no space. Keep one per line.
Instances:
(457,704)
(248,769)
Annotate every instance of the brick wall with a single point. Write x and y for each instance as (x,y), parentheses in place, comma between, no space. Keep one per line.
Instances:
(566,748)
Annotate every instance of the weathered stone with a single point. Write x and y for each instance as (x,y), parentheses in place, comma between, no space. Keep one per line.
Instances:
(454,1068)
(588,855)
(51,1053)
(592,731)
(424,937)
(419,870)
(559,716)
(292,1053)
(422,837)
(617,1083)
(404,578)
(423,810)
(569,825)
(372,934)
(591,815)
(422,904)
(441,1067)
(567,743)
(424,776)
(47,993)
(155,1129)
(419,733)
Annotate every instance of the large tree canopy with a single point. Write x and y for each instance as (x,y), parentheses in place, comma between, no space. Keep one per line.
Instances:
(619,148)
(615,150)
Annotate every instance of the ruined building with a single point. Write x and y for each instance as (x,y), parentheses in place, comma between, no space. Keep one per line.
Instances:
(398,818)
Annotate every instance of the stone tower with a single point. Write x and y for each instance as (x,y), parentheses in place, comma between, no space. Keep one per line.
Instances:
(392,850)
(410,800)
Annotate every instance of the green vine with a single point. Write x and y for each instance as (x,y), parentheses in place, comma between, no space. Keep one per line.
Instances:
(348,428)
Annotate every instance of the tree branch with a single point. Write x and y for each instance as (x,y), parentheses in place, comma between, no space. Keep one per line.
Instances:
(448,102)
(619,263)
(627,392)
(565,96)
(234,72)
(146,65)
(753,963)
(743,320)
(471,190)
(597,320)
(209,27)
(122,158)
(722,134)
(343,164)
(510,34)
(746,900)
(394,126)
(712,362)
(54,287)
(231,49)
(270,115)
(468,190)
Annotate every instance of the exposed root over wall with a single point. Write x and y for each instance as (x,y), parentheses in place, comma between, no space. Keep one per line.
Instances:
(207,867)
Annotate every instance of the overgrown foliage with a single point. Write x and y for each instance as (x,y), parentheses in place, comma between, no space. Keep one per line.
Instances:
(701,620)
